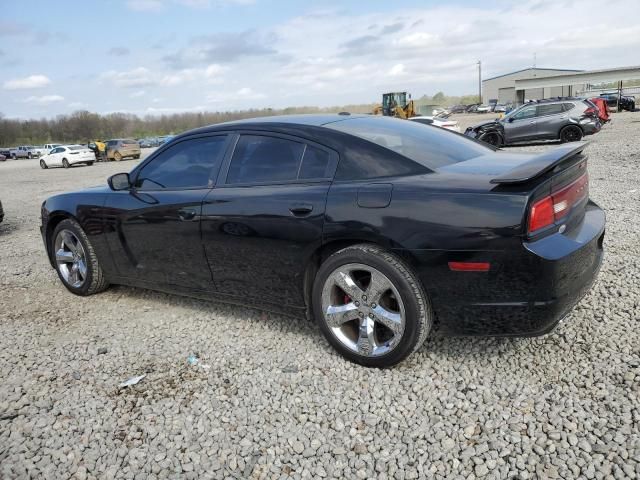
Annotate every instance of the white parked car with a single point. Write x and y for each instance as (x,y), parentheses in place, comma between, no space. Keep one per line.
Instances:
(483,109)
(438,122)
(67,155)
(439,111)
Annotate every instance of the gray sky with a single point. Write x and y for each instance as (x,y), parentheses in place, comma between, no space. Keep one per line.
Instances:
(157,56)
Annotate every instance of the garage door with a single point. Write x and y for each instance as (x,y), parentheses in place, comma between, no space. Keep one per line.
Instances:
(506,95)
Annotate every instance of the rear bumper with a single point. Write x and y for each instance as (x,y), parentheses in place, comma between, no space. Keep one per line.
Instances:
(590,127)
(525,293)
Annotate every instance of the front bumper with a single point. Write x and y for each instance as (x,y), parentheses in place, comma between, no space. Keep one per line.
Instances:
(526,293)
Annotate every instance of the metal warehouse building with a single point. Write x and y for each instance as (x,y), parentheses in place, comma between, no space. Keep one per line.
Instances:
(536,83)
(503,87)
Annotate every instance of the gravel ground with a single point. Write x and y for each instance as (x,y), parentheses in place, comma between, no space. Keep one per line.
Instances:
(277,402)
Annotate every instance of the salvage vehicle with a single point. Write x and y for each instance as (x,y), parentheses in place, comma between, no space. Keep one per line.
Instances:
(117,149)
(438,121)
(24,151)
(6,152)
(627,102)
(564,120)
(382,230)
(2,158)
(67,155)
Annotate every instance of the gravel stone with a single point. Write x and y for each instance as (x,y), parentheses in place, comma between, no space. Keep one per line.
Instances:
(277,402)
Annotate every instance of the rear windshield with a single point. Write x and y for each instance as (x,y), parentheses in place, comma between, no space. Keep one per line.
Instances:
(128,140)
(76,147)
(432,147)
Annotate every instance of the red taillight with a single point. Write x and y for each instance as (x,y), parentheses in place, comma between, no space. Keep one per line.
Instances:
(546,211)
(591,112)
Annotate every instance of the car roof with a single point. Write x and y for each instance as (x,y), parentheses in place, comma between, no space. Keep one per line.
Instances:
(311,119)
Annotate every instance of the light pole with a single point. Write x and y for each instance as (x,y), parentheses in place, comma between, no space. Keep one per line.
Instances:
(479,81)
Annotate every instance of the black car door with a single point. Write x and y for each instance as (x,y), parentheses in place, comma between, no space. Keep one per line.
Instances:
(264,219)
(155,235)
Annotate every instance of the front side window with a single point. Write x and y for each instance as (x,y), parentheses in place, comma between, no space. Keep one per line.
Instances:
(526,112)
(192,163)
(262,159)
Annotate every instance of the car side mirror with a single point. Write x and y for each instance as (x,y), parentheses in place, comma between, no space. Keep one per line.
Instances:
(119,181)
(510,120)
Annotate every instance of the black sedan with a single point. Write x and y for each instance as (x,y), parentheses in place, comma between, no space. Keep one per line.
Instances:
(381,230)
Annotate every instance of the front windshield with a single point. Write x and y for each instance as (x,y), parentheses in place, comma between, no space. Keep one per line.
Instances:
(431,147)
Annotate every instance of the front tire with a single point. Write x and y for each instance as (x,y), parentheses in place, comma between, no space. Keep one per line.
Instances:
(492,138)
(43,165)
(76,262)
(571,133)
(89,164)
(370,306)
(65,163)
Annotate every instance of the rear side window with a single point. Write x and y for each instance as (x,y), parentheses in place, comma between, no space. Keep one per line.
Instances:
(429,147)
(314,163)
(262,159)
(550,109)
(192,163)
(569,106)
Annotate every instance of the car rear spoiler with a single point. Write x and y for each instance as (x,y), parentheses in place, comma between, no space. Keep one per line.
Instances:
(540,164)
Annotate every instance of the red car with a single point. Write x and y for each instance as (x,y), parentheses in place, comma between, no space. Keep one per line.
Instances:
(603,108)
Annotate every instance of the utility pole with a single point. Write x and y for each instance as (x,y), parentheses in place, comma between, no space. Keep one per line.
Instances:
(479,81)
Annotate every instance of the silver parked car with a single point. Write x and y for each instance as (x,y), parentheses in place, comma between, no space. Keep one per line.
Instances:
(567,120)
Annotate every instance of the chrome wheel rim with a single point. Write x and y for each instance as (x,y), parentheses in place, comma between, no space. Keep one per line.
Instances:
(70,258)
(363,310)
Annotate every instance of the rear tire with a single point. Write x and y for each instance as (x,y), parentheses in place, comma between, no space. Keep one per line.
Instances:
(94,280)
(89,164)
(117,157)
(43,165)
(361,330)
(65,163)
(571,133)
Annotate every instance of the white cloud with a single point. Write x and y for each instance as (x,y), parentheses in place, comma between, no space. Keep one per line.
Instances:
(138,77)
(32,81)
(138,94)
(397,70)
(44,100)
(248,93)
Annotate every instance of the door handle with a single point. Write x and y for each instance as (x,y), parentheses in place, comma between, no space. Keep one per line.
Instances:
(186,214)
(301,209)
(532,122)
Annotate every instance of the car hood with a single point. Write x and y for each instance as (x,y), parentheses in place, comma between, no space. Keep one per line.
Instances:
(485,124)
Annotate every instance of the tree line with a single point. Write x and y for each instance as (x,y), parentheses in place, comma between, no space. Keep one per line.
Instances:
(82,126)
